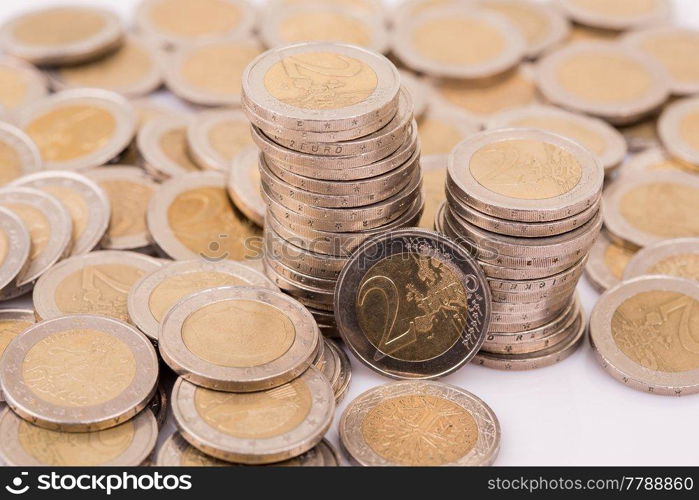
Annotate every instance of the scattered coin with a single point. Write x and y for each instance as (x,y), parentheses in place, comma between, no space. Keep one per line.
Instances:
(619,15)
(126,445)
(260,427)
(642,135)
(677,257)
(12,323)
(94,283)
(156,292)
(84,200)
(162,143)
(328,363)
(79,373)
(441,129)
(434,175)
(678,128)
(216,137)
(244,185)
(20,84)
(342,384)
(642,332)
(607,262)
(61,34)
(378,428)
(79,128)
(18,154)
(652,160)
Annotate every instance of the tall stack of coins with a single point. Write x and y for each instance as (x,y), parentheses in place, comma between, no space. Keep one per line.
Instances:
(339,161)
(526,203)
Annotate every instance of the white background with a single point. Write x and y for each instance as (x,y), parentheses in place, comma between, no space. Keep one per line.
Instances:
(572,413)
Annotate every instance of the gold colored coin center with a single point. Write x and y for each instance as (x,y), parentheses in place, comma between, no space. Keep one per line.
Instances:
(58,27)
(616,259)
(129,204)
(76,205)
(684,265)
(126,66)
(459,41)
(218,69)
(191,18)
(228,138)
(324,26)
(36,223)
(618,8)
(689,129)
(677,52)
(10,163)
(663,209)
(173,143)
(9,329)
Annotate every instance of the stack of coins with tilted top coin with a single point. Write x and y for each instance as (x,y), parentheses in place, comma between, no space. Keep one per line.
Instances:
(526,203)
(339,161)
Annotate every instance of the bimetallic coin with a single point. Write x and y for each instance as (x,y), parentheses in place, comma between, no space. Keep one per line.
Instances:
(677,257)
(12,323)
(191,216)
(678,128)
(131,70)
(216,137)
(84,200)
(79,373)
(79,128)
(643,332)
(241,339)
(244,185)
(128,190)
(170,23)
(621,84)
(256,427)
(640,211)
(457,42)
(49,225)
(15,247)
(162,143)
(606,264)
(18,153)
(652,160)
(209,73)
(381,285)
(441,128)
(127,445)
(94,283)
(378,428)
(619,15)
(418,90)
(61,34)
(20,84)
(434,176)
(155,293)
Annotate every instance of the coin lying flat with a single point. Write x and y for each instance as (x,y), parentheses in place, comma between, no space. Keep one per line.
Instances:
(128,444)
(618,15)
(603,140)
(659,205)
(61,34)
(643,332)
(652,160)
(191,216)
(257,427)
(128,190)
(379,427)
(209,73)
(216,137)
(18,154)
(79,128)
(441,128)
(79,373)
(15,247)
(132,70)
(155,293)
(12,323)
(605,267)
(20,84)
(244,185)
(94,283)
(170,23)
(238,338)
(677,257)
(607,80)
(678,128)
(382,284)
(162,143)
(84,200)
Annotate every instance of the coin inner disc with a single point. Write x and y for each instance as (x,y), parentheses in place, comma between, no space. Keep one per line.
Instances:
(677,53)
(58,27)
(9,329)
(567,128)
(681,265)
(320,80)
(420,430)
(255,415)
(78,368)
(190,19)
(4,246)
(76,205)
(616,258)
(662,209)
(37,224)
(218,68)
(10,161)
(618,8)
(238,333)
(229,137)
(411,307)
(458,41)
(173,143)
(323,26)
(123,67)
(689,129)
(525,169)
(129,203)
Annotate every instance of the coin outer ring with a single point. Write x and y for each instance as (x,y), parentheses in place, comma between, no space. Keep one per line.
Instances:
(148,140)
(23,145)
(483,452)
(264,105)
(402,44)
(584,194)
(423,242)
(641,263)
(242,190)
(238,379)
(82,419)
(618,227)
(620,366)
(256,451)
(116,105)
(345,376)
(36,84)
(596,270)
(586,17)
(12,453)
(640,164)
(18,315)
(669,129)
(44,291)
(198,137)
(19,243)
(93,195)
(139,296)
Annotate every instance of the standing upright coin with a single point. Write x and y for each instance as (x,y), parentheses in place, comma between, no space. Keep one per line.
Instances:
(61,34)
(79,373)
(12,323)
(15,246)
(618,15)
(79,128)
(162,143)
(20,84)
(191,216)
(216,137)
(606,263)
(128,190)
(644,333)
(18,154)
(677,257)
(392,298)
(244,185)
(419,423)
(95,283)
(678,128)
(155,293)
(84,200)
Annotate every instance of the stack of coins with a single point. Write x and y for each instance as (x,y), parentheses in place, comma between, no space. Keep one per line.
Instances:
(339,161)
(526,203)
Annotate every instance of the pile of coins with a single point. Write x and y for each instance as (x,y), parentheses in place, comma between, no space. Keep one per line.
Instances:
(339,161)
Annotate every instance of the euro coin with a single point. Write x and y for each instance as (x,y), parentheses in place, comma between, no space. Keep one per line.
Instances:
(676,257)
(18,152)
(605,267)
(678,127)
(12,323)
(215,138)
(162,142)
(20,84)
(15,246)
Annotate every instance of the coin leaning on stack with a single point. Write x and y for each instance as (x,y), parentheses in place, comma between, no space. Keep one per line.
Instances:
(339,161)
(526,203)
